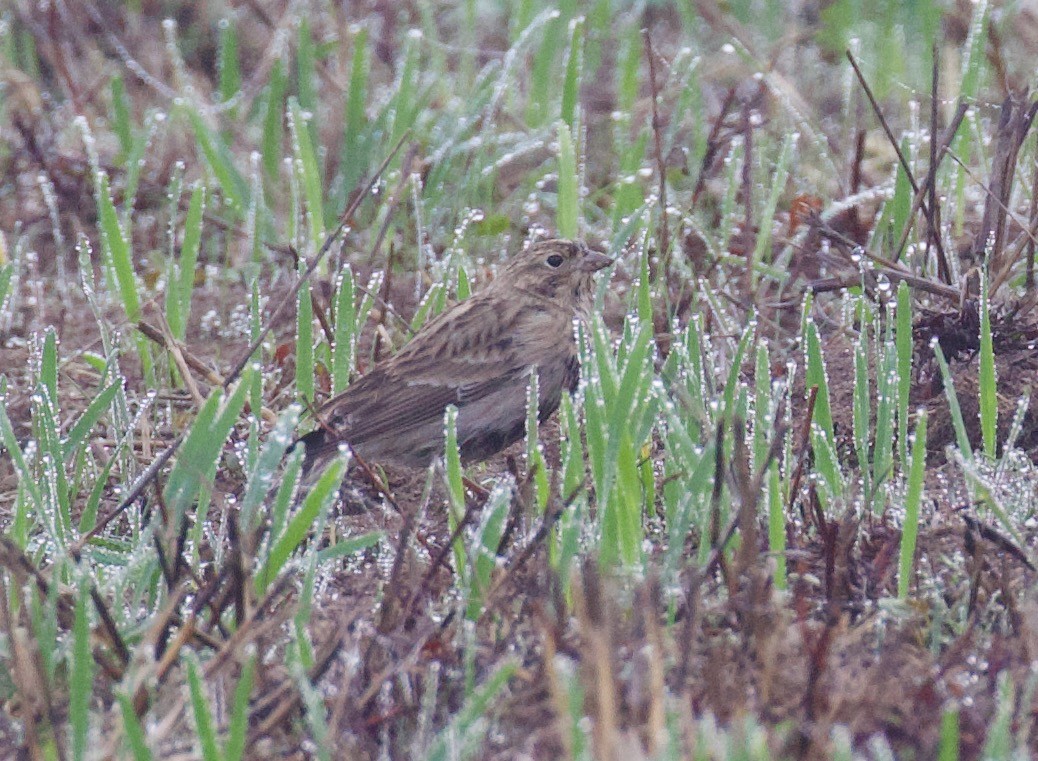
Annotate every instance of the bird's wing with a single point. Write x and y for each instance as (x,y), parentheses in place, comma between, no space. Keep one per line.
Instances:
(463,356)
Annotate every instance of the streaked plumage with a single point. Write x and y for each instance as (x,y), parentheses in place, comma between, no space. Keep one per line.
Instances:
(477,355)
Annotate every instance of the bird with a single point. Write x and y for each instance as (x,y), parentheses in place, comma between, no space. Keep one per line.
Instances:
(477,355)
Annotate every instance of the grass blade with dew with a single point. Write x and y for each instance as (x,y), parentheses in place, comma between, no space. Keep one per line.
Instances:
(282,503)
(49,365)
(910,530)
(306,77)
(886,405)
(614,401)
(350,546)
(77,434)
(431,304)
(777,526)
(81,675)
(816,376)
(120,118)
(202,447)
(201,712)
(567,214)
(962,438)
(261,478)
(273,121)
(346,329)
(53,478)
(356,144)
(228,64)
(764,426)
(316,502)
(574,68)
(221,161)
(115,251)
(564,543)
(135,160)
(455,486)
(987,380)
(237,731)
(538,103)
(862,407)
(999,741)
(180,288)
(406,101)
(779,175)
(26,474)
(6,274)
(484,543)
(973,60)
(306,164)
(305,378)
(467,725)
(534,457)
(904,341)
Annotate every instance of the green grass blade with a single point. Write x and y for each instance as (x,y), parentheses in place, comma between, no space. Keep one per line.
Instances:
(346,328)
(221,161)
(49,365)
(350,546)
(987,381)
(862,406)
(471,715)
(568,215)
(133,730)
(485,541)
(116,250)
(262,477)
(273,121)
(315,503)
(121,124)
(81,678)
(306,160)
(356,144)
(237,732)
(962,439)
(84,424)
(305,378)
(910,530)
(777,526)
(779,175)
(229,65)
(534,457)
(185,285)
(574,68)
(201,712)
(200,451)
(903,339)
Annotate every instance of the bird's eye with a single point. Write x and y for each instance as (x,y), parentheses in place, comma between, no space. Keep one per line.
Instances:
(554,261)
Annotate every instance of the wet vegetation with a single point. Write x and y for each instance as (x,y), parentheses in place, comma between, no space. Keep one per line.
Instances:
(789,513)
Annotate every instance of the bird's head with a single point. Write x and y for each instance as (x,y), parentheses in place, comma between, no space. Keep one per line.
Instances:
(561,270)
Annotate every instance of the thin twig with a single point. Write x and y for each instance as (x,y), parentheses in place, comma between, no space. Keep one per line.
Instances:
(883,121)
(930,184)
(927,210)
(991,194)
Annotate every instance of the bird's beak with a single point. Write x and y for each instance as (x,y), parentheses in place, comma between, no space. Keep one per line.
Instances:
(594,261)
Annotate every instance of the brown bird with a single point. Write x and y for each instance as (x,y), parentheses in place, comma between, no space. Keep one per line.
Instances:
(477,355)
